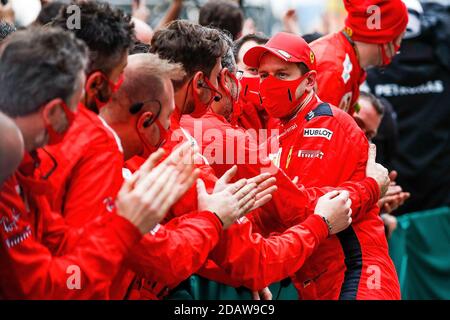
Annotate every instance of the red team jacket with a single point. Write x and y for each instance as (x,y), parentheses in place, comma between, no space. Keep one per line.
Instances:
(42,258)
(339,75)
(323,146)
(89,172)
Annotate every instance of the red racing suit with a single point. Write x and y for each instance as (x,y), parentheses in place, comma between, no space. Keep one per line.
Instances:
(323,146)
(30,231)
(90,163)
(339,74)
(290,205)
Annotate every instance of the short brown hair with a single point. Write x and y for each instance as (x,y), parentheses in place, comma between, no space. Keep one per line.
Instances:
(225,15)
(195,47)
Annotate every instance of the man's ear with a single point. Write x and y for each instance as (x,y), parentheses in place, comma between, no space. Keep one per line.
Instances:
(198,81)
(145,120)
(53,112)
(94,83)
(311,80)
(199,84)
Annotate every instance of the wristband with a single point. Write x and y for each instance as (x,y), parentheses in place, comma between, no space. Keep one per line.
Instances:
(330,227)
(221,222)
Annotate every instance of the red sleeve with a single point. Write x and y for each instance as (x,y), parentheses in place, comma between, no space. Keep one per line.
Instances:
(257,262)
(364,195)
(172,252)
(29,271)
(94,184)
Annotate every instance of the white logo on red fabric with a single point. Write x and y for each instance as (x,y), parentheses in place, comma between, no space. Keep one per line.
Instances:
(347,68)
(346,100)
(9,225)
(317,132)
(16,239)
(310,154)
(284,54)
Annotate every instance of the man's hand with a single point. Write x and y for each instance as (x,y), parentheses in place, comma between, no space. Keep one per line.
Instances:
(248,27)
(390,223)
(183,160)
(335,206)
(139,10)
(263,294)
(229,204)
(377,171)
(290,22)
(147,196)
(265,186)
(394,197)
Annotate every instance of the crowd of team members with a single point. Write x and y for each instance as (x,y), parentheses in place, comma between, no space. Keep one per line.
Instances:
(104,176)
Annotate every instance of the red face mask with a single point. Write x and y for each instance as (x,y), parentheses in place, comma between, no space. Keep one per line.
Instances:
(55,137)
(148,147)
(278,96)
(250,91)
(200,108)
(142,122)
(386,60)
(114,87)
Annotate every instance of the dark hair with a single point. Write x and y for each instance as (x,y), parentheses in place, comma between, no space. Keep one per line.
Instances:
(107,32)
(225,15)
(303,67)
(228,60)
(195,47)
(140,47)
(5,30)
(37,65)
(374,101)
(260,39)
(310,37)
(48,12)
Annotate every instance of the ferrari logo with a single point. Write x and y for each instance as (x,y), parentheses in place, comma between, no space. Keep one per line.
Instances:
(311,56)
(348,31)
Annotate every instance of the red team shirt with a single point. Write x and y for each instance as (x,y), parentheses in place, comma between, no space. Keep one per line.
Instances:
(39,252)
(339,74)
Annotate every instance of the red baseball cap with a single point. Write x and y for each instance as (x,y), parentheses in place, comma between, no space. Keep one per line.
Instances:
(286,46)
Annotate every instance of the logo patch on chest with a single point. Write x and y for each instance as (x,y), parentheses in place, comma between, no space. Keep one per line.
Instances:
(347,68)
(317,132)
(310,154)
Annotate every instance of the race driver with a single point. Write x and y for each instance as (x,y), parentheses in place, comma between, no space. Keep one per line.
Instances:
(322,145)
